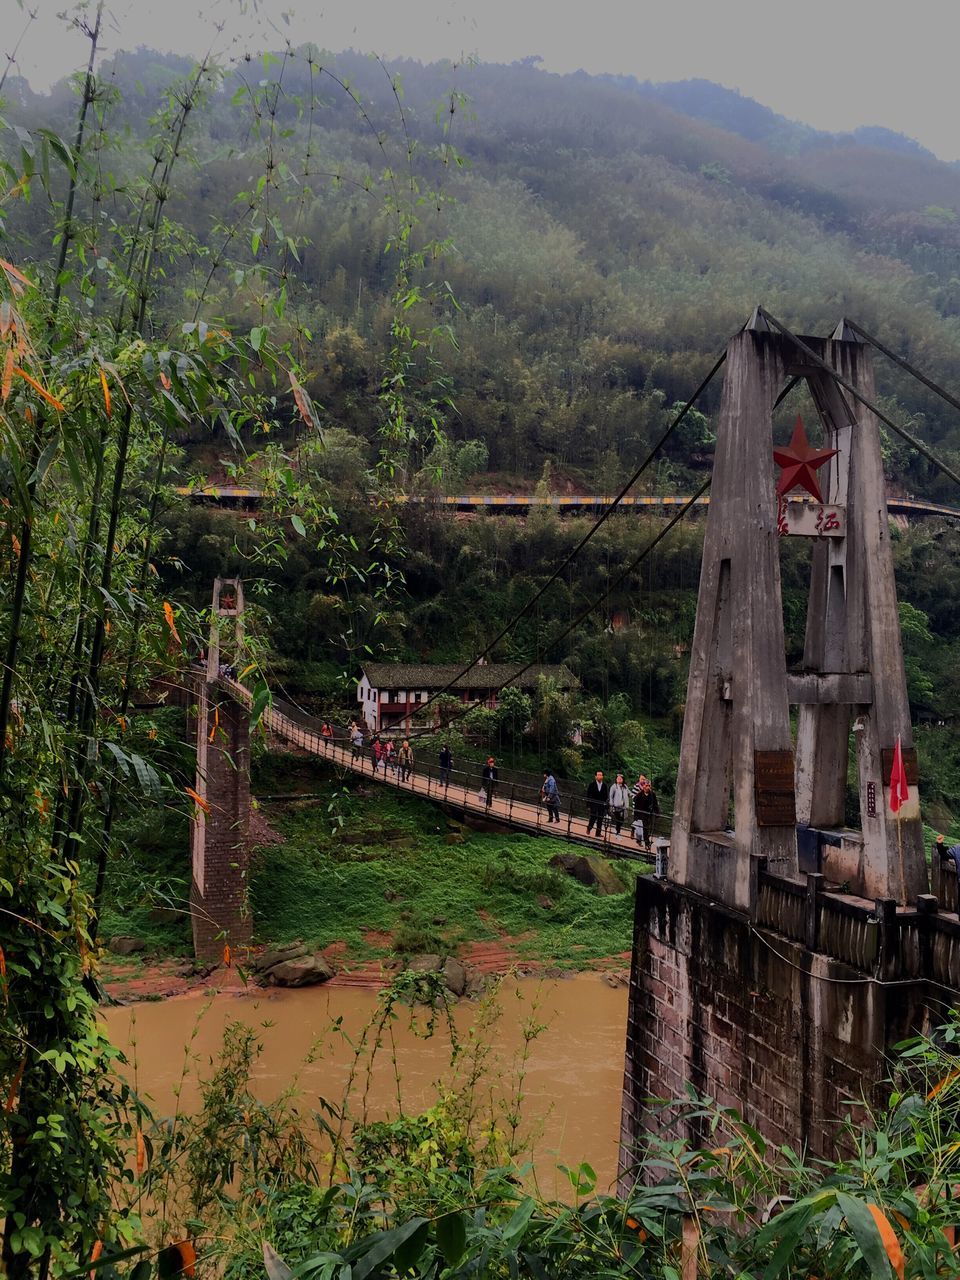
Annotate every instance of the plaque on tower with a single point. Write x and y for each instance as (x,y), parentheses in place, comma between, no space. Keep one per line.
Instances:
(774,787)
(811,519)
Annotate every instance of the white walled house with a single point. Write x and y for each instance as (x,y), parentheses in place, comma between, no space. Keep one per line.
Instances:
(390,693)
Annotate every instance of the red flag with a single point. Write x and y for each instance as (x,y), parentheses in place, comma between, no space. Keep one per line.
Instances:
(899,792)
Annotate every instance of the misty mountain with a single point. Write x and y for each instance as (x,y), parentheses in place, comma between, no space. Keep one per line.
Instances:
(731,110)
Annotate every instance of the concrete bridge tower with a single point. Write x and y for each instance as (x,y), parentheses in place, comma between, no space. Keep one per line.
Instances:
(763,963)
(220,850)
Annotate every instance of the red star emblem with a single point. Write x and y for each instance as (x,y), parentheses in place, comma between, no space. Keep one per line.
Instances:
(798,463)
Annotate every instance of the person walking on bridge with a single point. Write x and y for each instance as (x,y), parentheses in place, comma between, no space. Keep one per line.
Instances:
(597,796)
(446,764)
(618,800)
(489,781)
(405,756)
(645,807)
(356,741)
(550,794)
(376,752)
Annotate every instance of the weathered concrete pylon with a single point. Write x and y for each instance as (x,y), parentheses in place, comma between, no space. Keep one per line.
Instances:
(739,792)
(785,951)
(220,830)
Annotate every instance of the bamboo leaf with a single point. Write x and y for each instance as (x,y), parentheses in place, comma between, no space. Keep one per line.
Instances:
(98,1259)
(197,799)
(44,461)
(452,1237)
(275,1266)
(890,1242)
(864,1229)
(385,1244)
(513,1232)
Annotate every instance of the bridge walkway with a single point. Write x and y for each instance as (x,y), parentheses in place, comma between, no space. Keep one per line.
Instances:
(519,812)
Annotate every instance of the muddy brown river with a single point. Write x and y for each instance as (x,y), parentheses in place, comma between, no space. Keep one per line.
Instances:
(571,1089)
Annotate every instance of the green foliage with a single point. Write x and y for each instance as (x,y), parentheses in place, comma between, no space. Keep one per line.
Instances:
(441,1192)
(398,876)
(148,320)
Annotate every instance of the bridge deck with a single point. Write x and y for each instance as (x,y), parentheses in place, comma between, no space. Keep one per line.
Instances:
(505,809)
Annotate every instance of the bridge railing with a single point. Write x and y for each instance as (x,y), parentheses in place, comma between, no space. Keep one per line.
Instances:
(520,803)
(943,882)
(879,939)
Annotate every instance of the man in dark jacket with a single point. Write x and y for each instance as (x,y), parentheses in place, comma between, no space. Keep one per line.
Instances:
(490,776)
(446,764)
(597,792)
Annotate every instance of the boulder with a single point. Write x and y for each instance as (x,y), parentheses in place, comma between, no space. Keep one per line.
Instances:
(615,980)
(476,983)
(124,945)
(428,963)
(164,915)
(304,971)
(454,837)
(455,975)
(544,901)
(937,815)
(589,870)
(277,955)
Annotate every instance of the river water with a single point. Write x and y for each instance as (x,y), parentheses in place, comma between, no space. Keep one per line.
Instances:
(571,1088)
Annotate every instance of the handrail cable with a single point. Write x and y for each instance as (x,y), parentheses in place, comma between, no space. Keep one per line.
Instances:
(571,555)
(864,400)
(904,364)
(584,613)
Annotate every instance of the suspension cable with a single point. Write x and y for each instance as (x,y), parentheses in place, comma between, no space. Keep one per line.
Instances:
(584,613)
(904,364)
(571,555)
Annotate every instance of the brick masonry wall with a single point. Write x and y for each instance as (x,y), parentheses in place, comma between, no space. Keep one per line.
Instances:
(753,1020)
(220,844)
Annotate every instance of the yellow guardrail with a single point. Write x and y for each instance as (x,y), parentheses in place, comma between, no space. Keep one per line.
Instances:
(475,501)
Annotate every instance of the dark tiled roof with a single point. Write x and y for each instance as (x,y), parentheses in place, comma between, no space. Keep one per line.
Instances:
(430,676)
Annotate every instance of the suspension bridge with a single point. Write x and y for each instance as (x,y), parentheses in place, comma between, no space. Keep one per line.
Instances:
(513,804)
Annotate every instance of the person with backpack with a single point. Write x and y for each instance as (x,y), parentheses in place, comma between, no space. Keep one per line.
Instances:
(645,807)
(405,759)
(550,795)
(618,799)
(389,757)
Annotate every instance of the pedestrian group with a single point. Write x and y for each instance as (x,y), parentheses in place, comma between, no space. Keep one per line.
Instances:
(609,805)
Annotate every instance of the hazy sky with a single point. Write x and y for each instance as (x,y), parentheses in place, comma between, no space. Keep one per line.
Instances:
(835,64)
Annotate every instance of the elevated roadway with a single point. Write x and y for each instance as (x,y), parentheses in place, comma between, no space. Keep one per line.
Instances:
(517,503)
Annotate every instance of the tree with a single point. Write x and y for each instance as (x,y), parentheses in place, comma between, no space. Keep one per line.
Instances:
(514,708)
